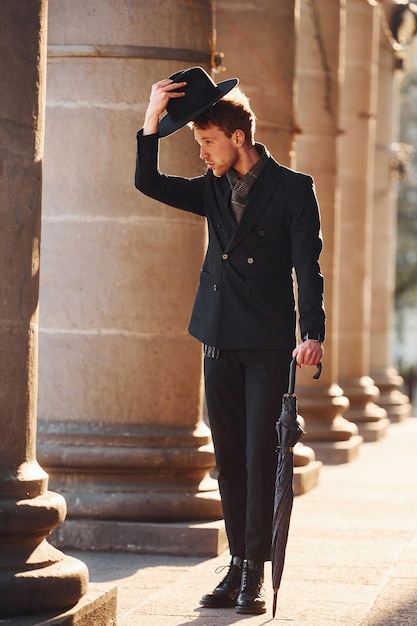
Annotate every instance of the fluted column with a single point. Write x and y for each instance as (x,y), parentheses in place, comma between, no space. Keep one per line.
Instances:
(34,576)
(258,41)
(319,67)
(120,427)
(384,231)
(359,108)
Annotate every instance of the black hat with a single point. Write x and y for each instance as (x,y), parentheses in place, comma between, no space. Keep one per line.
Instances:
(201,92)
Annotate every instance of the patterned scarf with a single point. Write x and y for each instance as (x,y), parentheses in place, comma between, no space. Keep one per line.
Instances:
(241,187)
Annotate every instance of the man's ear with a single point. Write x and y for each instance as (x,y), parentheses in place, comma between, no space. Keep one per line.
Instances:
(239,137)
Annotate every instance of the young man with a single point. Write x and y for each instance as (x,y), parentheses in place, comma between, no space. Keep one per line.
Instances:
(263,221)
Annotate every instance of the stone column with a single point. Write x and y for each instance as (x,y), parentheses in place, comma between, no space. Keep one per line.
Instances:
(120,401)
(258,42)
(359,108)
(319,67)
(384,231)
(34,576)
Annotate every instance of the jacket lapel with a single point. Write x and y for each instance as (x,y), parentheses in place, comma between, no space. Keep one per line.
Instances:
(221,217)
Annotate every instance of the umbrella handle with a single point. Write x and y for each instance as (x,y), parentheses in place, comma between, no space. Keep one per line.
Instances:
(293,369)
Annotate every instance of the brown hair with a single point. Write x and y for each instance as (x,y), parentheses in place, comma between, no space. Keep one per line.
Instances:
(230,113)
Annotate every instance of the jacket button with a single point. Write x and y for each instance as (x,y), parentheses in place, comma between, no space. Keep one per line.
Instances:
(215,287)
(225,256)
(261,233)
(250,260)
(248,292)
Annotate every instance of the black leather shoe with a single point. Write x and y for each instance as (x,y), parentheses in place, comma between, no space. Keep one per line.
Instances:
(250,599)
(226,592)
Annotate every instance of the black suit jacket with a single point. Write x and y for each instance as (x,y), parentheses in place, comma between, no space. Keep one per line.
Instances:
(245,299)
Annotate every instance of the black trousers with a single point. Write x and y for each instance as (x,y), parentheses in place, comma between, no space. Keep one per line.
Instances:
(243,393)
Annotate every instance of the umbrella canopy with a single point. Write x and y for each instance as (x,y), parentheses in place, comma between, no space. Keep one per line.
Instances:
(289,432)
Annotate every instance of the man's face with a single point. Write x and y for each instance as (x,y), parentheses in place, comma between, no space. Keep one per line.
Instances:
(219,152)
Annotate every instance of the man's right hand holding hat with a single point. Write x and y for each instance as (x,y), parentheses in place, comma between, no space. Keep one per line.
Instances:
(161,93)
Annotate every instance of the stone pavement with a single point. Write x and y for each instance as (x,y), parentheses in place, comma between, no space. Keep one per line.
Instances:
(351,555)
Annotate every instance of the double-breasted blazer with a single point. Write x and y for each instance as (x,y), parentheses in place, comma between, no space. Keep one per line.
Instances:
(245,299)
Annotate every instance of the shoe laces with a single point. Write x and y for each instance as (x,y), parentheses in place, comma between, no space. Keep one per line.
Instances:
(233,575)
(251,582)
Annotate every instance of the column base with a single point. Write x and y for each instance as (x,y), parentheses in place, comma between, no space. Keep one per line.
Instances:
(174,539)
(396,403)
(333,438)
(98,607)
(131,473)
(373,431)
(306,468)
(170,504)
(34,575)
(306,477)
(52,587)
(336,452)
(370,418)
(396,411)
(323,409)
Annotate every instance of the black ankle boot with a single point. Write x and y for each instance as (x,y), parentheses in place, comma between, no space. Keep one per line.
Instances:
(226,592)
(250,600)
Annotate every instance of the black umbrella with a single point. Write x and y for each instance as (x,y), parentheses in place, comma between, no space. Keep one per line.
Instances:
(289,432)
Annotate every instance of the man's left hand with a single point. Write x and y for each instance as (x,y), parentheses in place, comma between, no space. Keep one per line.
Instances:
(309,353)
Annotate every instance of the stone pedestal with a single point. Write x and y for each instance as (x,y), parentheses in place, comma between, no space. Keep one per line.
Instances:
(333,438)
(98,607)
(396,403)
(370,418)
(198,539)
(306,467)
(132,473)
